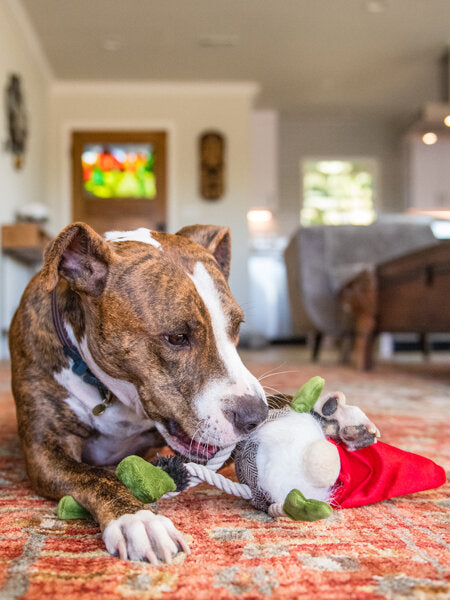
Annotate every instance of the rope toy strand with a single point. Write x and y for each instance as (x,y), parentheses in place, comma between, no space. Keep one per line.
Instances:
(207,473)
(276,510)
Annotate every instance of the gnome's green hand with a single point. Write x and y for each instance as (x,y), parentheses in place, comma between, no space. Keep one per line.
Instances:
(145,481)
(299,508)
(307,395)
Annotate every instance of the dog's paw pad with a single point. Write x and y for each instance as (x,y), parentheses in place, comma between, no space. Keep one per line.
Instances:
(144,536)
(345,423)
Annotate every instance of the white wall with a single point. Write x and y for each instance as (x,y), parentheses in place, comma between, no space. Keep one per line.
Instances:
(429,173)
(264,157)
(18,55)
(305,136)
(184,111)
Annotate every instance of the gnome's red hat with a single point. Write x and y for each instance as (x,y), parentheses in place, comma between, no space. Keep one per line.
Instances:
(381,471)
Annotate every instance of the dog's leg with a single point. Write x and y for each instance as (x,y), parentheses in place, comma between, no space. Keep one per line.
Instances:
(345,423)
(130,530)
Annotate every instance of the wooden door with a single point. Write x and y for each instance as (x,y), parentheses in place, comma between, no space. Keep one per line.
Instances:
(119,179)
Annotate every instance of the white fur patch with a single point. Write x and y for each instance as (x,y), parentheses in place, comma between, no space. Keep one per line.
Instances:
(143,535)
(137,235)
(125,391)
(282,444)
(239,380)
(123,427)
(122,431)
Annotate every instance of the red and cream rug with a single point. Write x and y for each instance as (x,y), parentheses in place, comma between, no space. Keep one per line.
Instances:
(394,550)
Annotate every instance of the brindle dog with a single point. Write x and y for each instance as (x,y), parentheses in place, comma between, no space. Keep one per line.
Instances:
(152,318)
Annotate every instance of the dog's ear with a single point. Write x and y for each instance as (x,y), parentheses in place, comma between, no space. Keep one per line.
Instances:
(80,256)
(215,239)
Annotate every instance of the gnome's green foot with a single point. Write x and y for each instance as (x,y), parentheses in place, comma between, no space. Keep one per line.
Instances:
(68,508)
(299,508)
(147,482)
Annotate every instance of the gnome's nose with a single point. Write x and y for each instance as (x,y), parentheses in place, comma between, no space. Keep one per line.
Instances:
(247,414)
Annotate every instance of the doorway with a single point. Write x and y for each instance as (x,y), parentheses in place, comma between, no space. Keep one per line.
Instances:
(119,179)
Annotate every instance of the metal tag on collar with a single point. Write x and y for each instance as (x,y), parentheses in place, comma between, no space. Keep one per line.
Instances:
(99,409)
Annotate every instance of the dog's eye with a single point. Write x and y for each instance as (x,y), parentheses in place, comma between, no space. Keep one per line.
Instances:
(177,340)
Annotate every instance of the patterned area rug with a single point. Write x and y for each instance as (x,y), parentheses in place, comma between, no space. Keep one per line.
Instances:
(396,549)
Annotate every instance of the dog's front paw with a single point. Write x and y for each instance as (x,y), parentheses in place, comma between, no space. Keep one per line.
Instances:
(144,536)
(345,423)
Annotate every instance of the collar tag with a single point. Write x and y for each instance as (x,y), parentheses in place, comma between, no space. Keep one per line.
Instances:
(99,409)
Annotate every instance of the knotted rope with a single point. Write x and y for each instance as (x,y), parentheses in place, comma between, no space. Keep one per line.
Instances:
(207,473)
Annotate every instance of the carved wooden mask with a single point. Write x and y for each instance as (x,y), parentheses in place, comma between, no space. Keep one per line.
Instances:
(212,165)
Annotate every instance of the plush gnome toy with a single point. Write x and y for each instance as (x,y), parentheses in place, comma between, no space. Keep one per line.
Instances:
(287,467)
(294,470)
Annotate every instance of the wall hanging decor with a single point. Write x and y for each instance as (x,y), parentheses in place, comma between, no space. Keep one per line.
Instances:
(16,118)
(212,165)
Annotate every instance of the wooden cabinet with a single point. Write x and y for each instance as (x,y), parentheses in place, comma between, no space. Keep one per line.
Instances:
(407,294)
(24,242)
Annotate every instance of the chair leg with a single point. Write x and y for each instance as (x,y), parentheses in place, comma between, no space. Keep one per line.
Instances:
(365,358)
(346,347)
(424,345)
(316,343)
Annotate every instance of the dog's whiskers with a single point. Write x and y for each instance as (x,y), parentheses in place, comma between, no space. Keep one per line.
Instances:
(277,373)
(277,398)
(199,427)
(270,371)
(199,446)
(275,390)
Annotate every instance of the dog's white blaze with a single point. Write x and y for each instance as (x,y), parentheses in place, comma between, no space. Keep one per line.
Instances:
(137,235)
(240,380)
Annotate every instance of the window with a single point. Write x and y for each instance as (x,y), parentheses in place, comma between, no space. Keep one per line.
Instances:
(119,170)
(338,192)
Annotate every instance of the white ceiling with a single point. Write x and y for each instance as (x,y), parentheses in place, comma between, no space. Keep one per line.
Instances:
(308,55)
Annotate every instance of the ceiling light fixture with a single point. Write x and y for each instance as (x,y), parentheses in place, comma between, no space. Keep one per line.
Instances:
(429,138)
(376,6)
(447,120)
(259,215)
(112,44)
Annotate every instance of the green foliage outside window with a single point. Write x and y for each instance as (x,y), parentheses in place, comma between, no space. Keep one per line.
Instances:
(337,193)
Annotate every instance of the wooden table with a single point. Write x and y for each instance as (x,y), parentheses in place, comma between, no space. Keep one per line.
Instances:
(407,294)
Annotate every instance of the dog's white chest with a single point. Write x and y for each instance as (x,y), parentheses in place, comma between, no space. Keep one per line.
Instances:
(119,429)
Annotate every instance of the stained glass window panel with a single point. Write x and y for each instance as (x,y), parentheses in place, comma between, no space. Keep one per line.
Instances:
(119,170)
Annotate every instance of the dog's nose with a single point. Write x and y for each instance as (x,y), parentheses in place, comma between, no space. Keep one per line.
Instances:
(249,412)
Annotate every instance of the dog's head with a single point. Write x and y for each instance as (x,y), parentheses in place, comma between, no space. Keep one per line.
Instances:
(155,320)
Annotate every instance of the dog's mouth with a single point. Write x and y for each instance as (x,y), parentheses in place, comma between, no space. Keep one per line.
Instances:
(183,443)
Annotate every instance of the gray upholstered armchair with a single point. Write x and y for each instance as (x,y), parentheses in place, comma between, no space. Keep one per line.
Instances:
(320,259)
